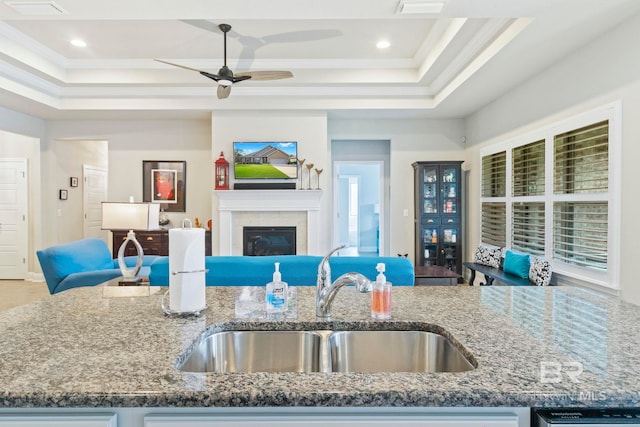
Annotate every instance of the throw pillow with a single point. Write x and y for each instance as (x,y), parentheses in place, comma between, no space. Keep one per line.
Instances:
(517,264)
(540,271)
(488,255)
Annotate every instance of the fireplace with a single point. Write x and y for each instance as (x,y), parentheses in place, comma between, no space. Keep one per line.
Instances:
(268,208)
(262,241)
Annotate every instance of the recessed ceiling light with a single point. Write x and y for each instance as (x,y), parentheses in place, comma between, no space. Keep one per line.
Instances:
(383,44)
(78,43)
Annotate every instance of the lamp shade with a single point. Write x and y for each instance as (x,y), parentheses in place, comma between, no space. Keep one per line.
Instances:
(130,216)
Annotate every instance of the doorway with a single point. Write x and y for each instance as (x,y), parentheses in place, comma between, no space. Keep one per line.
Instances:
(360,182)
(358,190)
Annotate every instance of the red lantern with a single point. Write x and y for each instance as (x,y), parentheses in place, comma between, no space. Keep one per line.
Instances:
(222,173)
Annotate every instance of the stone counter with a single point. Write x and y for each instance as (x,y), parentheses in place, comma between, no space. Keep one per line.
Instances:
(81,349)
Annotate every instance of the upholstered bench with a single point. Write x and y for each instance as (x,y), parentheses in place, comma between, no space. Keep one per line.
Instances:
(508,267)
(491,274)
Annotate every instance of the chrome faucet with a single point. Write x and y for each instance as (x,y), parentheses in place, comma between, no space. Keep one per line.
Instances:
(327,290)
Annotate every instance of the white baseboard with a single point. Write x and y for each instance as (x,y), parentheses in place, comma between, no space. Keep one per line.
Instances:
(34,277)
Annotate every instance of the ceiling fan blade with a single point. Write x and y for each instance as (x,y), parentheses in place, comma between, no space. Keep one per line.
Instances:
(178,65)
(203,24)
(223,91)
(266,75)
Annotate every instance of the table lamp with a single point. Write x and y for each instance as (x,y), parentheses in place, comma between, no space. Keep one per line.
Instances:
(130,216)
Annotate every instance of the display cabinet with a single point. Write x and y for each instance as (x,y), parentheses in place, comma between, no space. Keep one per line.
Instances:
(438,214)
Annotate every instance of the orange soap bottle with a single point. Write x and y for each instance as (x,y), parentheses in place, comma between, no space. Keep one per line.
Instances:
(381,295)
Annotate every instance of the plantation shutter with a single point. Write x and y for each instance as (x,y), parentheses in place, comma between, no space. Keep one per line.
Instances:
(581,166)
(581,163)
(494,223)
(494,174)
(528,231)
(580,232)
(528,169)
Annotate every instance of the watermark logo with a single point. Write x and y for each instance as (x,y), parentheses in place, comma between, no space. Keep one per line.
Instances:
(555,372)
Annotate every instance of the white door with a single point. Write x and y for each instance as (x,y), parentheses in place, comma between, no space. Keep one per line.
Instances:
(94,192)
(14,232)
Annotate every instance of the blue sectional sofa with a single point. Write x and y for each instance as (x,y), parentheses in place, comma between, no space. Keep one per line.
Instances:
(297,270)
(84,262)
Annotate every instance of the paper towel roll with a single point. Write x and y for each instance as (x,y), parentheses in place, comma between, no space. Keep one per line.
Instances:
(186,258)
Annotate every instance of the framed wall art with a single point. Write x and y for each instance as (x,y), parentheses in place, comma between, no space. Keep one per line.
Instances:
(73,181)
(164,182)
(62,194)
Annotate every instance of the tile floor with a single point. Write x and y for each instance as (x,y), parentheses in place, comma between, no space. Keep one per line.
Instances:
(14,293)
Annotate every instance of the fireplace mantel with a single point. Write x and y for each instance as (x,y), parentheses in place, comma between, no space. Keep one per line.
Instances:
(233,201)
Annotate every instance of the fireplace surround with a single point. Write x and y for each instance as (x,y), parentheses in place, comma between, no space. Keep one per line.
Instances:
(299,208)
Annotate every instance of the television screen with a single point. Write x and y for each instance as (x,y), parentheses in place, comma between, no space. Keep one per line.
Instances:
(265,160)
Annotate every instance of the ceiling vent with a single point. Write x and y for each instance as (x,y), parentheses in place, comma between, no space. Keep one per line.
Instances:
(412,7)
(42,8)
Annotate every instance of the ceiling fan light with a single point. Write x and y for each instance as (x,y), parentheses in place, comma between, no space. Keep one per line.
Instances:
(225,82)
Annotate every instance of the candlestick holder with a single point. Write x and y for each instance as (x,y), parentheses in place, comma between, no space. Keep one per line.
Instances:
(309,166)
(318,172)
(300,163)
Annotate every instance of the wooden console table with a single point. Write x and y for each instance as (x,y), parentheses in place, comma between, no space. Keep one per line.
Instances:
(436,275)
(153,242)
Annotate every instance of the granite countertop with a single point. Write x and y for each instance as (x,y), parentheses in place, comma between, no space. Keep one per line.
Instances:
(82,349)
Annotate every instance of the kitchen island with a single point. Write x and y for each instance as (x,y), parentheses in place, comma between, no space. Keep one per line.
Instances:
(545,347)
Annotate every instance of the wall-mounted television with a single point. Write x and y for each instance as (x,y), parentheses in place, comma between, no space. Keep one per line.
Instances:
(265,160)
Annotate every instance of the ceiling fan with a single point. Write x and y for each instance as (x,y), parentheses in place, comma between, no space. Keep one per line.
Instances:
(225,77)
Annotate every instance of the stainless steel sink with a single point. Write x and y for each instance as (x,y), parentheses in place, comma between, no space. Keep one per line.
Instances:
(394,351)
(256,351)
(325,351)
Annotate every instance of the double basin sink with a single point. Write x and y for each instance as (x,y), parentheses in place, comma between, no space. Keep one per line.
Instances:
(324,351)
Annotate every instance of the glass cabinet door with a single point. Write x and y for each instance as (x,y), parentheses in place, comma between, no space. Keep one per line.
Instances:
(449,190)
(449,248)
(430,190)
(430,246)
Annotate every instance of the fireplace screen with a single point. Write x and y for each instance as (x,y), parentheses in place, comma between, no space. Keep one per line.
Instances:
(261,241)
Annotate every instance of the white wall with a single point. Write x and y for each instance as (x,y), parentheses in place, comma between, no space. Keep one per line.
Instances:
(411,140)
(600,73)
(131,142)
(71,155)
(307,128)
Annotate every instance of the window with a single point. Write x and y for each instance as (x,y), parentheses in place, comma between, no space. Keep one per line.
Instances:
(580,234)
(553,193)
(494,220)
(581,160)
(494,172)
(528,169)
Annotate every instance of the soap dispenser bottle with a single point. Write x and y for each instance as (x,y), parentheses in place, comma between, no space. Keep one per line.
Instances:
(276,293)
(381,295)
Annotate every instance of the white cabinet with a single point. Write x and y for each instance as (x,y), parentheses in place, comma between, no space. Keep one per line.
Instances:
(266,417)
(325,419)
(58,419)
